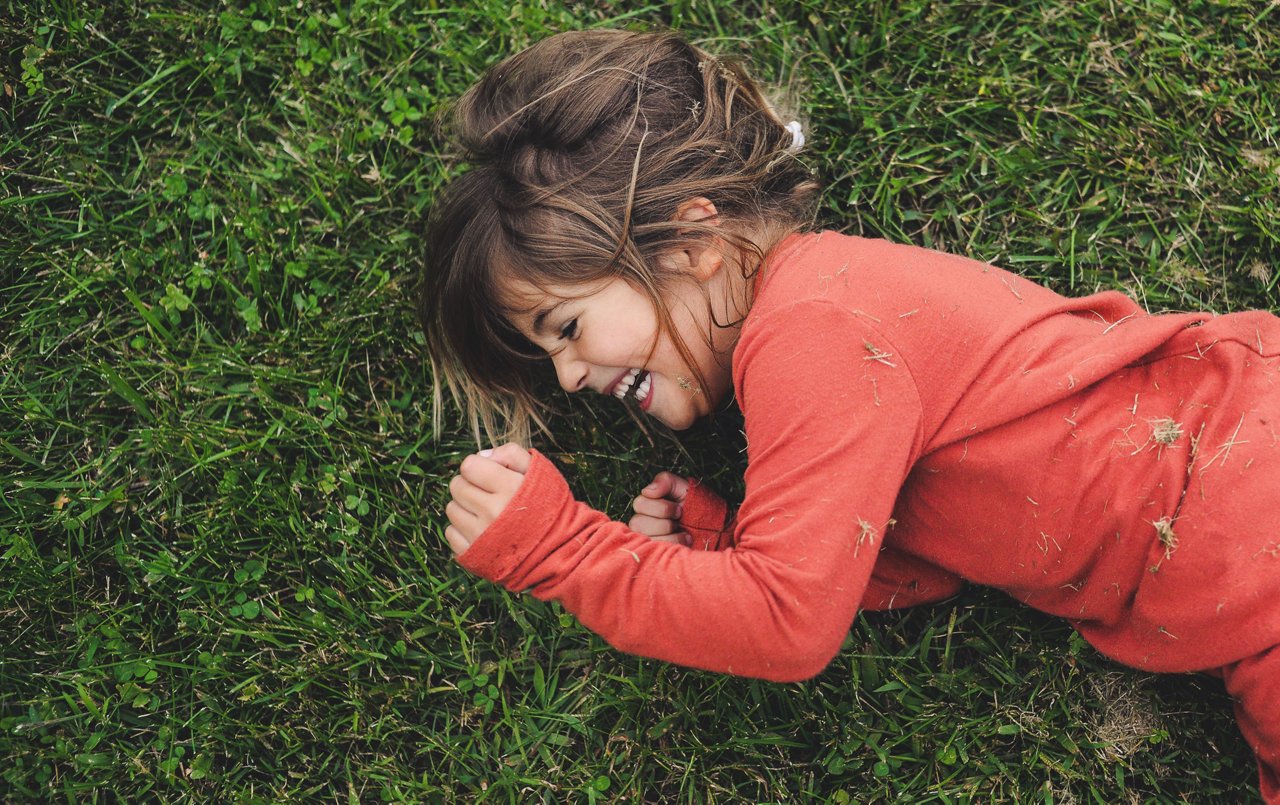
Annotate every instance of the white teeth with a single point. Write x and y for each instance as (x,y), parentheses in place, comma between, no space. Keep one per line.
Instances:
(624,385)
(643,391)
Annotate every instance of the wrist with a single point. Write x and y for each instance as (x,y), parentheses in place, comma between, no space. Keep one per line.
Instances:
(508,543)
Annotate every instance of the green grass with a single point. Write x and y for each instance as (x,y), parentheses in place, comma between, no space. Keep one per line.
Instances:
(221,570)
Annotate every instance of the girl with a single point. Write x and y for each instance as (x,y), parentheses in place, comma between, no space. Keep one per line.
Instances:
(633,215)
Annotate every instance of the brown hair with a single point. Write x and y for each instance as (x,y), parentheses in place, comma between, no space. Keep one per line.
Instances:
(581,148)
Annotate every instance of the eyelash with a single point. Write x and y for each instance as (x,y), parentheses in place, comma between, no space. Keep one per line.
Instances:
(570,329)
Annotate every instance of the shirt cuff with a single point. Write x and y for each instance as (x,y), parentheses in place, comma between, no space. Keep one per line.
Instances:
(703,517)
(512,540)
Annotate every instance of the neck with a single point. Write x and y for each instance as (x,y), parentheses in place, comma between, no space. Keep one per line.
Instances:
(744,268)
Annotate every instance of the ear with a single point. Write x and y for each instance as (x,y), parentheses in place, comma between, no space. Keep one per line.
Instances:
(700,258)
(698,210)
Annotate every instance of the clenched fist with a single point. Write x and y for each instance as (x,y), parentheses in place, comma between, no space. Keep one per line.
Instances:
(486,482)
(658,509)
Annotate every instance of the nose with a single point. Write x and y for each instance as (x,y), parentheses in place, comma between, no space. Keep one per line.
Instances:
(571,372)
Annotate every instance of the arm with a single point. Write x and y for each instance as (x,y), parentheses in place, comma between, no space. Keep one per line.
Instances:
(832,433)
(898,579)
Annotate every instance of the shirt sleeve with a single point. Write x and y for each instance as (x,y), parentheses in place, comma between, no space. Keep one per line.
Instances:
(833,426)
(705,518)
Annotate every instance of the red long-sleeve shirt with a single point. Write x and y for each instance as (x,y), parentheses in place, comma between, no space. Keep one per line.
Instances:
(914,419)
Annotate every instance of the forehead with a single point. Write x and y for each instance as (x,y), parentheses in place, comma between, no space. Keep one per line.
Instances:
(529,306)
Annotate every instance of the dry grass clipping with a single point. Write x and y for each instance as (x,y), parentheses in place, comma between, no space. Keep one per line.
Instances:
(1128,718)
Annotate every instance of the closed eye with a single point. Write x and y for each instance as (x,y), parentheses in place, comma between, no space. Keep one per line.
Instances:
(570,329)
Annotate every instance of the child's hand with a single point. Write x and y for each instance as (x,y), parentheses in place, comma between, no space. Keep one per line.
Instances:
(659,507)
(485,484)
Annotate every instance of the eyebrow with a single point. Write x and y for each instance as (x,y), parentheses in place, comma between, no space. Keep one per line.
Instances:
(541,318)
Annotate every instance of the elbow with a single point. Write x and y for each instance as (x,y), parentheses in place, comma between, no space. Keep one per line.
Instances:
(794,669)
(794,638)
(759,653)
(803,656)
(808,666)
(797,671)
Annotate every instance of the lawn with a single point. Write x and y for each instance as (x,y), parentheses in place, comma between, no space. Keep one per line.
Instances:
(222,575)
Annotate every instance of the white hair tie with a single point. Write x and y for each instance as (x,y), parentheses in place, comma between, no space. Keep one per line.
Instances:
(797,135)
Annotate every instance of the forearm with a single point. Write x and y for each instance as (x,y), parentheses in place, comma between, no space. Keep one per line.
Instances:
(743,612)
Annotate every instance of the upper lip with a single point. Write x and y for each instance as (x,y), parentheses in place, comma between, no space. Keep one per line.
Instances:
(612,387)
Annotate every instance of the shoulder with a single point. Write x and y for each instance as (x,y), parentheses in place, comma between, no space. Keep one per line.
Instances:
(824,293)
(910,291)
(870,273)
(806,354)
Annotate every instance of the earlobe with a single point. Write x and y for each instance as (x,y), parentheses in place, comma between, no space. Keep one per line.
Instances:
(700,260)
(705,260)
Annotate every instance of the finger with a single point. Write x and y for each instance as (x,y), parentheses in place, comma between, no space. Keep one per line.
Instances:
(664,508)
(652,526)
(464,493)
(679,538)
(467,523)
(468,495)
(483,505)
(456,540)
(489,475)
(510,455)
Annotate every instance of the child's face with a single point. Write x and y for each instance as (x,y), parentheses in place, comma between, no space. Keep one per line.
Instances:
(598,340)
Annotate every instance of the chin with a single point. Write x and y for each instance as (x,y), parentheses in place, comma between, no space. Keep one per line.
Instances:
(684,423)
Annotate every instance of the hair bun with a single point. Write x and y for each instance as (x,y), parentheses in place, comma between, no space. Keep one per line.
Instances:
(558,94)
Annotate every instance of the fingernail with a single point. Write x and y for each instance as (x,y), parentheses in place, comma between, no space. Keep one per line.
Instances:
(486,453)
(651,488)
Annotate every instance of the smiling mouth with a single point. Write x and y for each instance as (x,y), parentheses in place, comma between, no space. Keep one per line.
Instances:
(635,385)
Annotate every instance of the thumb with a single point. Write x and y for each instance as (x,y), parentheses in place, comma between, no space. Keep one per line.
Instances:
(510,455)
(667,485)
